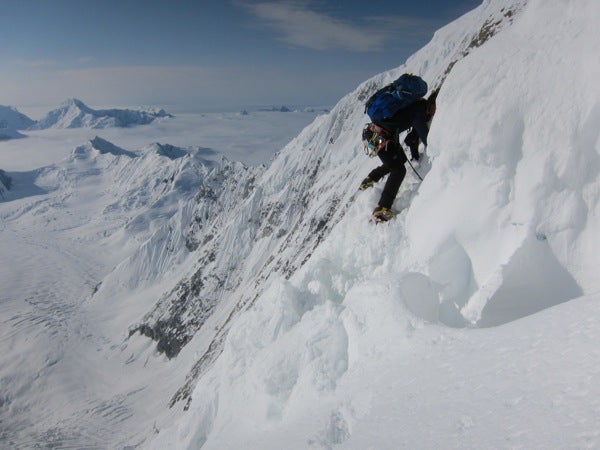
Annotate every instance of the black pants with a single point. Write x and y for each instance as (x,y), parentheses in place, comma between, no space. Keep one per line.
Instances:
(393,159)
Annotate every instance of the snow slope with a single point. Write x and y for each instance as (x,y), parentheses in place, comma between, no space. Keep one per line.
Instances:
(380,339)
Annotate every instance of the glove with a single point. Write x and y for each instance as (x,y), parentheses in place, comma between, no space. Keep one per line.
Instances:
(414,153)
(412,141)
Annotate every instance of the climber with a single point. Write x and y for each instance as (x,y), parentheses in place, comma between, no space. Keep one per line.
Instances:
(385,135)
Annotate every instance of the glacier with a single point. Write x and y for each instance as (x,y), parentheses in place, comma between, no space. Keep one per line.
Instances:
(172,299)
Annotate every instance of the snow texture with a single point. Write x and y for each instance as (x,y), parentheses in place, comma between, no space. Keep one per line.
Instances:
(211,304)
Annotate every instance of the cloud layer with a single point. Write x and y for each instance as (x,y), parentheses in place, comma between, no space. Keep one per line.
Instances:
(205,87)
(304,27)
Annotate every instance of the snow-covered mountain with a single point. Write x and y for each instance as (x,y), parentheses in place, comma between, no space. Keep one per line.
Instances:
(285,109)
(63,228)
(74,113)
(320,310)
(11,120)
(178,301)
(304,193)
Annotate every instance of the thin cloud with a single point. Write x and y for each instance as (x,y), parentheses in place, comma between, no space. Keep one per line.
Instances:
(36,63)
(86,59)
(171,85)
(396,27)
(303,27)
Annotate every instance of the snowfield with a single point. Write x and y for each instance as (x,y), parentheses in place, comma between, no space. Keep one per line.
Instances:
(160,296)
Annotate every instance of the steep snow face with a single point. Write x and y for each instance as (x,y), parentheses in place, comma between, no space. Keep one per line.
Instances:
(527,148)
(74,113)
(349,341)
(199,226)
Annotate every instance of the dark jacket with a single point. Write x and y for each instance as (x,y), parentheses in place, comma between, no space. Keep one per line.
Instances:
(414,116)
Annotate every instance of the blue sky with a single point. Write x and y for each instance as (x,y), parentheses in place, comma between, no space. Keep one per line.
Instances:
(206,55)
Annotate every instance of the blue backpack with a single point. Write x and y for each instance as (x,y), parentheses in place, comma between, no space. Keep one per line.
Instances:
(387,101)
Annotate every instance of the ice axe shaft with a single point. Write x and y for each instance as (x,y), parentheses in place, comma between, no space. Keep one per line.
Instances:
(410,164)
(414,170)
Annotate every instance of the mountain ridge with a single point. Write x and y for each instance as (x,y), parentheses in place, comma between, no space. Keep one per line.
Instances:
(73,113)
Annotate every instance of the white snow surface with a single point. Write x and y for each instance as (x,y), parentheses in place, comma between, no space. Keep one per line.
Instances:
(471,320)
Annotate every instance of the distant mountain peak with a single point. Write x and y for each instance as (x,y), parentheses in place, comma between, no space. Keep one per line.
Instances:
(74,102)
(12,120)
(170,151)
(73,113)
(104,146)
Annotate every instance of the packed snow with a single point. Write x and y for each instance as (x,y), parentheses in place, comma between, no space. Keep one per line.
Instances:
(469,321)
